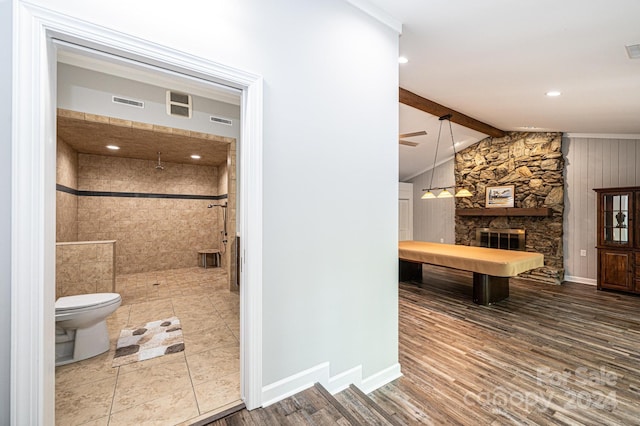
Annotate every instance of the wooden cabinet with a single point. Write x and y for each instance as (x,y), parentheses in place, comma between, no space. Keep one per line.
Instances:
(619,239)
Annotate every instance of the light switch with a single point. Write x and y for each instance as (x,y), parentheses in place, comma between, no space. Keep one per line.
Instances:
(583,253)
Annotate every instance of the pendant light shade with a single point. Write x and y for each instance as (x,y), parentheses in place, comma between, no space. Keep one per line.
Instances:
(428,195)
(463,193)
(445,194)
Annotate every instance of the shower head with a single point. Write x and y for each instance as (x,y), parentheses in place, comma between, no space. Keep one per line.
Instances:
(159,166)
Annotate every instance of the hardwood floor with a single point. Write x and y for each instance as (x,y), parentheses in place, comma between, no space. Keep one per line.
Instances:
(547,355)
(309,407)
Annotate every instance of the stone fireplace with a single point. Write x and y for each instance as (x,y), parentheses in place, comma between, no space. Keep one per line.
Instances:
(534,164)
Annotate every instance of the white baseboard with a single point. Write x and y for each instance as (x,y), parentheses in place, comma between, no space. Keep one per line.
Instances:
(320,374)
(580,280)
(381,378)
(341,381)
(293,384)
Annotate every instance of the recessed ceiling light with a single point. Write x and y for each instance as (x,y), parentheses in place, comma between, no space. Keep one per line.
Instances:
(113,147)
(402,60)
(553,93)
(195,156)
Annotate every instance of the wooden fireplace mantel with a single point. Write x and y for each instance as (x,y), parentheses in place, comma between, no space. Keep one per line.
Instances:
(505,211)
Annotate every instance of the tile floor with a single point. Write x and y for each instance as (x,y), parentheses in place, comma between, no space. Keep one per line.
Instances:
(171,389)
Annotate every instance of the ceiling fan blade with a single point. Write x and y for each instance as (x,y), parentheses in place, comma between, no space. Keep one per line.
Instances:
(408,143)
(412,134)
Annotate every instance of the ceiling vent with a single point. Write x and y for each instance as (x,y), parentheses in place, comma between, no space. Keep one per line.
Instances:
(178,104)
(125,101)
(221,120)
(633,50)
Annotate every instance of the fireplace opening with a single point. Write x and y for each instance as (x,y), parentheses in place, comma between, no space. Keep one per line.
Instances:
(506,239)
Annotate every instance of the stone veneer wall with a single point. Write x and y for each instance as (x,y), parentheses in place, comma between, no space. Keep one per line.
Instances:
(66,204)
(534,164)
(152,234)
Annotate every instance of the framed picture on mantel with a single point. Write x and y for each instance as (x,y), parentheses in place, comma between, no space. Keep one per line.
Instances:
(499,196)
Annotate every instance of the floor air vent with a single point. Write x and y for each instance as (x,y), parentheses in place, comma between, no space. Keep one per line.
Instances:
(178,104)
(221,120)
(125,101)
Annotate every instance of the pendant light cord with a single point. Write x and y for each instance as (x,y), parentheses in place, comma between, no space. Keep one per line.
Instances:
(453,145)
(433,170)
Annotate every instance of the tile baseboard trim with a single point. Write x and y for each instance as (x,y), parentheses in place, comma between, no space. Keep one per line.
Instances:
(78,193)
(321,374)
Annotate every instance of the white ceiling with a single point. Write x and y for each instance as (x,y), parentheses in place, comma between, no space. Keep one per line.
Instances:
(494,60)
(419,159)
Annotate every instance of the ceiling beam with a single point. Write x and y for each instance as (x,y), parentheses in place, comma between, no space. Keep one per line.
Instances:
(433,108)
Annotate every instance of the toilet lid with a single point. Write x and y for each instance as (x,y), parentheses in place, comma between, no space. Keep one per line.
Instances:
(85,300)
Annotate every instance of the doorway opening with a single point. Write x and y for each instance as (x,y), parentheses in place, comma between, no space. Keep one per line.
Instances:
(33,248)
(143,223)
(124,225)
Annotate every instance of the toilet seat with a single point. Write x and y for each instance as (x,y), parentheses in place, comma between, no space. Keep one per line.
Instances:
(86,301)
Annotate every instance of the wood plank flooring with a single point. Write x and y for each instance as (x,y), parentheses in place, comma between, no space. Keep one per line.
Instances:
(547,355)
(309,407)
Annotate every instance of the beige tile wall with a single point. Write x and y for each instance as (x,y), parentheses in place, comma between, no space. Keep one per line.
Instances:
(102,173)
(152,233)
(228,185)
(85,267)
(67,165)
(66,204)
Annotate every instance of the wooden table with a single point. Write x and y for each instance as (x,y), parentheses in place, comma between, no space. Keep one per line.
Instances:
(491,267)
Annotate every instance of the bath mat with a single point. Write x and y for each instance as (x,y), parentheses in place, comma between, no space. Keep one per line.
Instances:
(154,339)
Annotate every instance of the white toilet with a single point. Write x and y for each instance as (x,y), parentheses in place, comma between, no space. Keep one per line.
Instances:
(81,325)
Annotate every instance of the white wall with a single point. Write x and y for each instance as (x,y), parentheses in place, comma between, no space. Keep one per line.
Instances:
(592,161)
(5,204)
(405,211)
(80,89)
(330,164)
(434,220)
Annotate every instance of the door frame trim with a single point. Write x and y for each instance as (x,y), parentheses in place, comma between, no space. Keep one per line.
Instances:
(33,151)
(405,192)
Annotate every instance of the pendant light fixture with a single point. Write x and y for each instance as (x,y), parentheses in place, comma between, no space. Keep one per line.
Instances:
(444,193)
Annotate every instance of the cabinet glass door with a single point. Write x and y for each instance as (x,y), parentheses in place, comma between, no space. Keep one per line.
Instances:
(616,218)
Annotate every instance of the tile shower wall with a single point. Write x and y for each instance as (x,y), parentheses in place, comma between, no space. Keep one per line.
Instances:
(151,233)
(227,184)
(66,204)
(85,267)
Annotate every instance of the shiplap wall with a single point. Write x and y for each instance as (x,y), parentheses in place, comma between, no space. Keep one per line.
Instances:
(434,220)
(592,162)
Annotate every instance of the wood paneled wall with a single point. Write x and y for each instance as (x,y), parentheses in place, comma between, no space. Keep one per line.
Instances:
(592,163)
(434,220)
